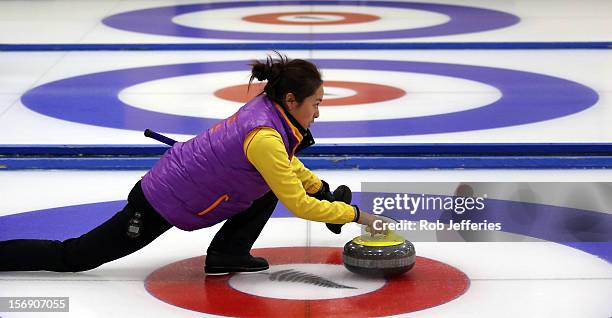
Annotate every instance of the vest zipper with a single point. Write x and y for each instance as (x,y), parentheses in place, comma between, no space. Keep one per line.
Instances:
(223,198)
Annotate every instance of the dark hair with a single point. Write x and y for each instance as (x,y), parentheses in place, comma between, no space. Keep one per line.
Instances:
(300,77)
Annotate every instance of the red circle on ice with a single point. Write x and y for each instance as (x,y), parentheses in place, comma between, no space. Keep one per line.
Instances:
(430,283)
(365,93)
(311,18)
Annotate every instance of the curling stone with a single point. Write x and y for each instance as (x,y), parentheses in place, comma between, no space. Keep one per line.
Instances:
(386,257)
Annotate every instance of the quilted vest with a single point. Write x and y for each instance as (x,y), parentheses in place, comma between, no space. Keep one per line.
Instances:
(208,179)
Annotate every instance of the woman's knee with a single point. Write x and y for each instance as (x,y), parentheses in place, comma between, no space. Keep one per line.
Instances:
(78,267)
(75,260)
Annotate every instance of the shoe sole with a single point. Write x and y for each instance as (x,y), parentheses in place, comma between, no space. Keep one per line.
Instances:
(228,270)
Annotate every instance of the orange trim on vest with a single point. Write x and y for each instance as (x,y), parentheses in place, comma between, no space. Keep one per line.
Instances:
(222,198)
(294,130)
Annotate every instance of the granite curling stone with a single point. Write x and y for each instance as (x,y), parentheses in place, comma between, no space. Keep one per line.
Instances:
(387,257)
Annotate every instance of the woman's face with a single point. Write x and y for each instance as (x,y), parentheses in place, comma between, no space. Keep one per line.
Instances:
(306,112)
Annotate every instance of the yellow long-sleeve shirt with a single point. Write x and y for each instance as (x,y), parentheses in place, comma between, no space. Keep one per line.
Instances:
(290,179)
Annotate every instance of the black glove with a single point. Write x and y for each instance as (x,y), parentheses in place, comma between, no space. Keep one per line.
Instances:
(324,193)
(342,193)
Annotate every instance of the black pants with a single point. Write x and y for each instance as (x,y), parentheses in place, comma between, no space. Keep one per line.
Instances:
(237,235)
(110,241)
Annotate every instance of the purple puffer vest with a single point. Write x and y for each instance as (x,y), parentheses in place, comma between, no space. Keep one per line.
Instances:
(208,179)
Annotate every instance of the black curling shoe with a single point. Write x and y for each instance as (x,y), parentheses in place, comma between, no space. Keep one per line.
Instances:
(218,264)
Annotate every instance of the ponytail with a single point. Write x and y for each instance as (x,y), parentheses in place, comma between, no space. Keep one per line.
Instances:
(284,76)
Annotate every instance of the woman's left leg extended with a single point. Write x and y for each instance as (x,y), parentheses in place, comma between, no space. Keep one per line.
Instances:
(107,242)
